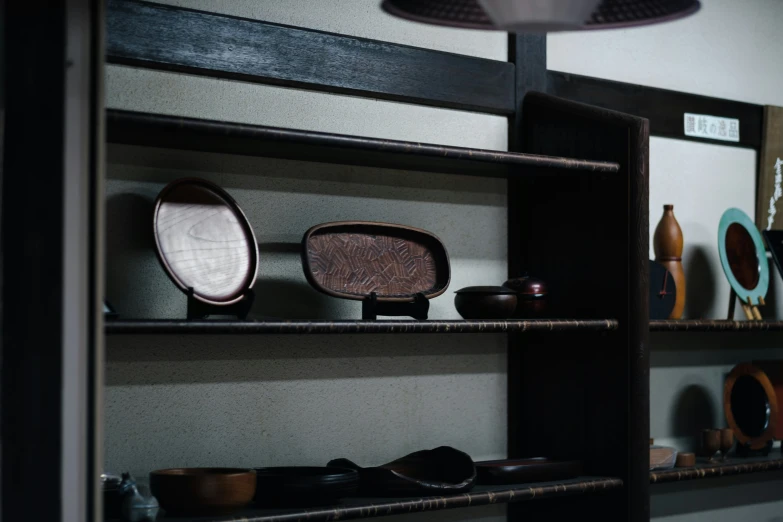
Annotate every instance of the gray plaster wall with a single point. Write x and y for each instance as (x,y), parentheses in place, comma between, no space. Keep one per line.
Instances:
(303,400)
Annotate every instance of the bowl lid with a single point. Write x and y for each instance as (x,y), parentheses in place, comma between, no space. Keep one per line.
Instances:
(527,285)
(204,241)
(489,290)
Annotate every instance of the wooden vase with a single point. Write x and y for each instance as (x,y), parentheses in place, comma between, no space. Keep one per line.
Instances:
(667,244)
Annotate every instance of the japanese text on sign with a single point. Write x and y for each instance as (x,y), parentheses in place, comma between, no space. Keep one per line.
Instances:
(711,127)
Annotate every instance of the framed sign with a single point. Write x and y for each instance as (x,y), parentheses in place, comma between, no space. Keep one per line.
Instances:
(769,205)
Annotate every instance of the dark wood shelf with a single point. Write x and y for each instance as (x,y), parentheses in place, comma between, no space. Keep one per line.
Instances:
(699,325)
(155,130)
(178,326)
(378,507)
(734,466)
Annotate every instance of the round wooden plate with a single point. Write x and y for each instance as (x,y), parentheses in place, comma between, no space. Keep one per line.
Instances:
(743,256)
(204,241)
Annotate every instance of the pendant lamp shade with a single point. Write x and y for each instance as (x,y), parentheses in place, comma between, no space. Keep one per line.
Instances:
(540,16)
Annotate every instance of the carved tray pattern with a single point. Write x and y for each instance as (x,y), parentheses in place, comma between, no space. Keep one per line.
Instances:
(354,260)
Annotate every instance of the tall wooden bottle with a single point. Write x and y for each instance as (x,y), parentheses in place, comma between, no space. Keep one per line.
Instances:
(667,244)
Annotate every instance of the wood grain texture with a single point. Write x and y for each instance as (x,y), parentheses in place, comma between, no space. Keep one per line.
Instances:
(704,325)
(179,327)
(352,259)
(204,241)
(663,108)
(769,207)
(151,130)
(166,37)
(356,508)
(734,466)
(741,253)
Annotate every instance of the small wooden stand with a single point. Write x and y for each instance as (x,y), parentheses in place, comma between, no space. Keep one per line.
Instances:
(752,312)
(201,310)
(372,308)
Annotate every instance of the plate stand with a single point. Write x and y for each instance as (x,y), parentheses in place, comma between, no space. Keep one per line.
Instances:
(744,451)
(372,307)
(752,312)
(201,310)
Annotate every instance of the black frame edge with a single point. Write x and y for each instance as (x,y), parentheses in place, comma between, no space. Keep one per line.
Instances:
(663,108)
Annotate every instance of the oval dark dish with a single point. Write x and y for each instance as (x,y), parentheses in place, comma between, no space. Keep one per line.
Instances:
(304,486)
(531,295)
(520,471)
(485,302)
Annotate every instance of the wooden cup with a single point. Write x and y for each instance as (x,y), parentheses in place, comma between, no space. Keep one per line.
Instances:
(710,442)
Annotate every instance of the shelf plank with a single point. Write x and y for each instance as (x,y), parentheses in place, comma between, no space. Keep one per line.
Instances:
(173,132)
(177,326)
(377,507)
(173,38)
(699,325)
(734,466)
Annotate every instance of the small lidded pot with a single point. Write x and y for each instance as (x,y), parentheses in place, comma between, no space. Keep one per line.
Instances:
(531,296)
(485,302)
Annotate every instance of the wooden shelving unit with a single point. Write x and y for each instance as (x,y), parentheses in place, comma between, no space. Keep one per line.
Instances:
(357,508)
(570,166)
(130,327)
(734,466)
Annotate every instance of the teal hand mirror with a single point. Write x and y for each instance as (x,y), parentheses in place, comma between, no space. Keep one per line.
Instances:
(743,257)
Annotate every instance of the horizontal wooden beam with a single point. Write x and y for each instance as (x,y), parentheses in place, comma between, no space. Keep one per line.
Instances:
(664,108)
(186,40)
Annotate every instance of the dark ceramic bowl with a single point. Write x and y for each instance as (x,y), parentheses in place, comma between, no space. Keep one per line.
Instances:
(304,486)
(485,302)
(203,491)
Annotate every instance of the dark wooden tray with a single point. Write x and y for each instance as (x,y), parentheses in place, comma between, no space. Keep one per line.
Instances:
(520,471)
(352,259)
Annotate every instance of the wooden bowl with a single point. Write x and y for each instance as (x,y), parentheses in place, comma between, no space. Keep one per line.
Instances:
(486,302)
(203,491)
